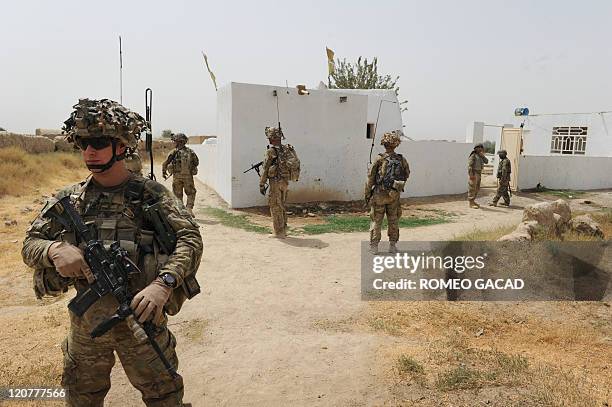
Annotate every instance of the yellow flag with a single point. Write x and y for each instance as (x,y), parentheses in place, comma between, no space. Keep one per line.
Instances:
(330,61)
(212,75)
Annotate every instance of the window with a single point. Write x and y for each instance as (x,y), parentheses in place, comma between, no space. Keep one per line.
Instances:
(569,140)
(370,130)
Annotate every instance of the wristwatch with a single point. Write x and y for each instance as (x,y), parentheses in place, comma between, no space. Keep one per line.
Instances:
(168,279)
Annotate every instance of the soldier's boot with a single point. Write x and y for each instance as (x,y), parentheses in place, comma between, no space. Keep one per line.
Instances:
(374,248)
(392,247)
(505,203)
(473,204)
(493,203)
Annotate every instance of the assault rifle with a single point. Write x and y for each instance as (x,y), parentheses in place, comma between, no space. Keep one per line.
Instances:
(256,168)
(111,269)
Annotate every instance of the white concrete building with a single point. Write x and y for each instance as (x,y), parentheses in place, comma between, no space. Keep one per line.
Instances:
(331,131)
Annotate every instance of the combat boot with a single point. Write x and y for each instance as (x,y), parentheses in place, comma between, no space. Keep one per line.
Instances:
(493,203)
(505,203)
(373,248)
(392,247)
(474,205)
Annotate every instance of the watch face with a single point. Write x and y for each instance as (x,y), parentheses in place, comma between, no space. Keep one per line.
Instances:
(169,280)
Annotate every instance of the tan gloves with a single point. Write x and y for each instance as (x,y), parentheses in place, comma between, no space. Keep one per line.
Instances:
(150,301)
(68,261)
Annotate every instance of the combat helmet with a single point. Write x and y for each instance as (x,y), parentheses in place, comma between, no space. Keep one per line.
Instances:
(392,138)
(179,137)
(274,133)
(502,152)
(104,118)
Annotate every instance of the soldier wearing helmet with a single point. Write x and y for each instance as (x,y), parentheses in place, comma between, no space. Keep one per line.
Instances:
(112,204)
(280,165)
(476,162)
(386,180)
(503,179)
(182,163)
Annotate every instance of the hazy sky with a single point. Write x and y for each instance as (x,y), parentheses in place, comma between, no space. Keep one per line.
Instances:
(458,61)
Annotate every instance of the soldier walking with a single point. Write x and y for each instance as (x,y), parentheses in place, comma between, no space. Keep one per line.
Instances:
(112,202)
(280,166)
(476,162)
(503,178)
(182,163)
(386,181)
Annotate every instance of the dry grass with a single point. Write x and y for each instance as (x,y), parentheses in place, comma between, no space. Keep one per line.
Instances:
(511,354)
(22,173)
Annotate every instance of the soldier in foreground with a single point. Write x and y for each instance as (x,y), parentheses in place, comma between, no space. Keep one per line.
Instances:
(476,162)
(386,181)
(280,166)
(503,179)
(113,204)
(182,163)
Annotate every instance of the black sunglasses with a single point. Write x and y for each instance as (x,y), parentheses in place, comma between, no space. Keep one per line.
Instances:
(97,143)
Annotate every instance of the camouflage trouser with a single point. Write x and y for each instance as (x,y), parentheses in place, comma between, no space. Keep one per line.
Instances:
(502,191)
(385,202)
(88,363)
(473,186)
(277,196)
(180,182)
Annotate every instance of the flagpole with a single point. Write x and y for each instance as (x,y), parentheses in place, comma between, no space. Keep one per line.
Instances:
(120,72)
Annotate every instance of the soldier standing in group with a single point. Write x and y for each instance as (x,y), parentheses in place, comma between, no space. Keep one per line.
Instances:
(182,164)
(503,178)
(113,203)
(476,162)
(386,181)
(280,166)
(133,162)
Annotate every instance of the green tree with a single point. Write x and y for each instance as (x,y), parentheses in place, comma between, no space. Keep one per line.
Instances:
(489,146)
(166,134)
(362,75)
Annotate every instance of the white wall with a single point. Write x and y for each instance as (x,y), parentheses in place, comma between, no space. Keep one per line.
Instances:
(565,172)
(330,139)
(538,138)
(207,169)
(436,167)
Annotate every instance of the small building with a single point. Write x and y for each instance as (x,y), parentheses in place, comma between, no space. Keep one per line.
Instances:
(332,131)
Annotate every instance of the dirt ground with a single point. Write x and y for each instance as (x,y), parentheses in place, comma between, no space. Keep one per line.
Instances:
(281,322)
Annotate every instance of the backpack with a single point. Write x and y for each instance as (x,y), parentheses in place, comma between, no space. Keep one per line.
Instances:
(290,163)
(391,170)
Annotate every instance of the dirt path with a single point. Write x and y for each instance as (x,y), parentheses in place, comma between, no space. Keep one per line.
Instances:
(273,324)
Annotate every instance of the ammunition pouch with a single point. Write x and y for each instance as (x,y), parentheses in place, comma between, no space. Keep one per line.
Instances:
(399,185)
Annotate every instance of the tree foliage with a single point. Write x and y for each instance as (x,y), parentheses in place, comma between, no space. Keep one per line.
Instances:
(166,133)
(489,146)
(361,75)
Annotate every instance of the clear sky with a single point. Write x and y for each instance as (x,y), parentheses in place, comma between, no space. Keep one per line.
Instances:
(458,61)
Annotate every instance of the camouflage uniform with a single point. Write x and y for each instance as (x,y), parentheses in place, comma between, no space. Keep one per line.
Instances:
(276,174)
(133,162)
(503,175)
(182,163)
(475,165)
(385,200)
(115,214)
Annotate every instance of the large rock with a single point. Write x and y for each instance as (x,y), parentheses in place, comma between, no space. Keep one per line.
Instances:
(554,216)
(585,225)
(61,144)
(523,232)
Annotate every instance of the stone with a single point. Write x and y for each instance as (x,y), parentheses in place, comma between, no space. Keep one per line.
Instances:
(11,222)
(562,208)
(553,216)
(585,225)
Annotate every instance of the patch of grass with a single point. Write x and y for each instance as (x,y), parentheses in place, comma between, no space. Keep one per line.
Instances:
(388,325)
(348,224)
(22,172)
(459,378)
(235,221)
(407,364)
(563,193)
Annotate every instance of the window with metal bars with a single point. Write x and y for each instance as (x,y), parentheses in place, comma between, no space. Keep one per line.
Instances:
(569,140)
